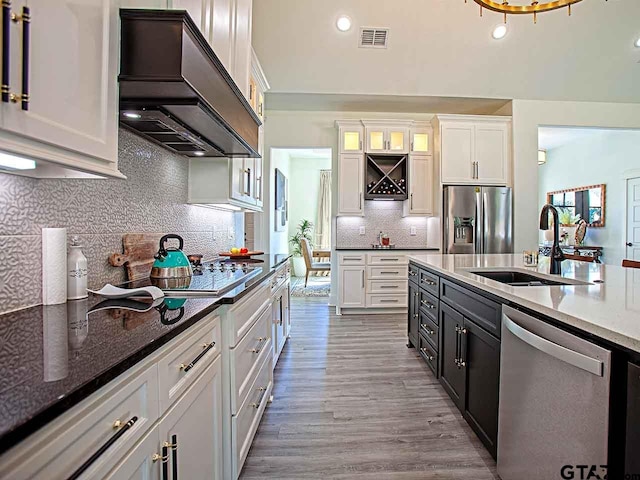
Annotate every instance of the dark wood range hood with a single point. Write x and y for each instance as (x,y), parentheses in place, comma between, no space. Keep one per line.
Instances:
(175,91)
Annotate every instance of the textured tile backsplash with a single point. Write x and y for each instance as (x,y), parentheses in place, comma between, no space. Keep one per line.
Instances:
(152,199)
(381,216)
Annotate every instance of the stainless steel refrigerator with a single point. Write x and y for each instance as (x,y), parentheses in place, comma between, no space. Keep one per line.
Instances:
(477,219)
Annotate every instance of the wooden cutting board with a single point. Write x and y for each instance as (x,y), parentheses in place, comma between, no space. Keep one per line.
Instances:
(137,256)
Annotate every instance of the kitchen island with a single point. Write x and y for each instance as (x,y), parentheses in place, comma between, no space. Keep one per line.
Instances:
(468,319)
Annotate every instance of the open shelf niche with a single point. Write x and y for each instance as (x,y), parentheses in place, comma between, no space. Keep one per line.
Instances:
(386,177)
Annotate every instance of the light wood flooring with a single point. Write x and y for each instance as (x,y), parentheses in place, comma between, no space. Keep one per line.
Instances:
(352,401)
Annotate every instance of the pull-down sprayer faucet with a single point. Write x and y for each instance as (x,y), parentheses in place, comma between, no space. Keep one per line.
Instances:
(556,252)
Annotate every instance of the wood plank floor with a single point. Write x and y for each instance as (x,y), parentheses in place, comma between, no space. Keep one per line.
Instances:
(352,401)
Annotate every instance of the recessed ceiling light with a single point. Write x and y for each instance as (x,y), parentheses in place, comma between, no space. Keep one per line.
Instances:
(132,115)
(499,32)
(343,23)
(637,44)
(198,154)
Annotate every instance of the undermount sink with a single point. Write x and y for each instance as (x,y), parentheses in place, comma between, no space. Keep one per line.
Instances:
(522,279)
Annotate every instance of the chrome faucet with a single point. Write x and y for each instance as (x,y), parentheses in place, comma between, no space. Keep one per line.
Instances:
(557,256)
(380,235)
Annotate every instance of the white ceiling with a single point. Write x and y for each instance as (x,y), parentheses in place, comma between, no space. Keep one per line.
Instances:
(442,48)
(384,103)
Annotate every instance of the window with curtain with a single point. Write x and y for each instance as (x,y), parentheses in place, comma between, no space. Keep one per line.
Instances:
(323,223)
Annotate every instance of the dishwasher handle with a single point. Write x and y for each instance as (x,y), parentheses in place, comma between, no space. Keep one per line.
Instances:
(584,362)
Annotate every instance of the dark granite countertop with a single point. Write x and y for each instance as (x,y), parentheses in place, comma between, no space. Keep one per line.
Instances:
(53,357)
(338,249)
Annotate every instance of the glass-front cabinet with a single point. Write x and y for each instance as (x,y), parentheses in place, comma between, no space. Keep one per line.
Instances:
(387,139)
(421,136)
(351,137)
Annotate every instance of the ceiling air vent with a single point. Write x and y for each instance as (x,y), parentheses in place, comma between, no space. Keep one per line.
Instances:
(373,37)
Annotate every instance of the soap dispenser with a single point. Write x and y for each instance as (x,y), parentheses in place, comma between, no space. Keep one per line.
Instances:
(76,271)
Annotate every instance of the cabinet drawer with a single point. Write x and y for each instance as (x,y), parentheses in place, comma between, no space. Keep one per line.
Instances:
(387,300)
(430,282)
(428,353)
(245,423)
(414,273)
(429,306)
(247,356)
(391,272)
(388,286)
(429,330)
(387,259)
(477,308)
(351,258)
(247,312)
(65,444)
(186,359)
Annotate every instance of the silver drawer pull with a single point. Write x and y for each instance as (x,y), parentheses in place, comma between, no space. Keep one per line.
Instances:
(430,306)
(427,329)
(263,391)
(389,286)
(389,259)
(390,273)
(257,347)
(426,352)
(206,347)
(388,300)
(413,274)
(428,282)
(352,259)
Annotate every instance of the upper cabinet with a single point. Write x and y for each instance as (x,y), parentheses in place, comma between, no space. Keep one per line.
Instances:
(421,138)
(473,149)
(351,184)
(386,137)
(61,102)
(351,137)
(421,186)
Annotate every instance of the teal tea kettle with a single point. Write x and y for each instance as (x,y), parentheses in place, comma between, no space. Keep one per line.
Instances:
(171,262)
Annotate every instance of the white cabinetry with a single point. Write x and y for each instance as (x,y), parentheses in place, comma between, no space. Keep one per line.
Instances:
(421,186)
(70,117)
(474,149)
(351,184)
(280,314)
(387,137)
(372,281)
(352,287)
(351,137)
(421,138)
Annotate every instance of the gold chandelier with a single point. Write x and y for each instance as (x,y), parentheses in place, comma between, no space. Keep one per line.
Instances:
(534,9)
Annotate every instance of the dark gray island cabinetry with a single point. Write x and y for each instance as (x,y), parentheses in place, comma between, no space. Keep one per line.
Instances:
(458,336)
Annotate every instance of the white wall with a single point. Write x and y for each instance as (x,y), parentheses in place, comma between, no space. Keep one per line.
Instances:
(602,157)
(278,241)
(304,190)
(528,115)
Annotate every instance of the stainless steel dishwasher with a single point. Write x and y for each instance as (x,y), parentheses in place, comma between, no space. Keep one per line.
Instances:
(554,400)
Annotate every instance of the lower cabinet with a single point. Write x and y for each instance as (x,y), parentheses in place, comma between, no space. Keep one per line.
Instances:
(481,363)
(142,462)
(452,374)
(632,463)
(352,287)
(414,314)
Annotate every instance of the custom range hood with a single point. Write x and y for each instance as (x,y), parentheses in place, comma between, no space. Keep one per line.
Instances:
(175,91)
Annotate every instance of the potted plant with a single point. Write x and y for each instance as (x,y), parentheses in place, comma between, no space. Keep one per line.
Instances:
(568,221)
(303,231)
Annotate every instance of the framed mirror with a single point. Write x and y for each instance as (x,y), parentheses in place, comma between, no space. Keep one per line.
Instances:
(588,202)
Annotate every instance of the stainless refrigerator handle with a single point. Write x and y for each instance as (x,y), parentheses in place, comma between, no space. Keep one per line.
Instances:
(566,355)
(479,223)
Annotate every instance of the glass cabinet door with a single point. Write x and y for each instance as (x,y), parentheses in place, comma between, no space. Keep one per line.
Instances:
(397,140)
(420,141)
(376,140)
(351,141)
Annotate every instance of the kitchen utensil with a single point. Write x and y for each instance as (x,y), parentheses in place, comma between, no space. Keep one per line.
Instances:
(171,262)
(137,256)
(110,291)
(195,259)
(240,256)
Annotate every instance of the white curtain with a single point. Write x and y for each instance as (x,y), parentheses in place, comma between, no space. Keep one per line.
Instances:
(323,224)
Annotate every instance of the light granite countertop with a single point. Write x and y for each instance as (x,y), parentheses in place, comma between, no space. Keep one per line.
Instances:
(609,310)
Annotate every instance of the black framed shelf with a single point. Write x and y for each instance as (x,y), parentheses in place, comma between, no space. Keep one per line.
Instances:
(387,177)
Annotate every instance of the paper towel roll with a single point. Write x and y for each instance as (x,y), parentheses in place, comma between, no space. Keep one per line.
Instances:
(54,266)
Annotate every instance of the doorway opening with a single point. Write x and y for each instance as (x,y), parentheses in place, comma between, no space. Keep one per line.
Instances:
(591,175)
